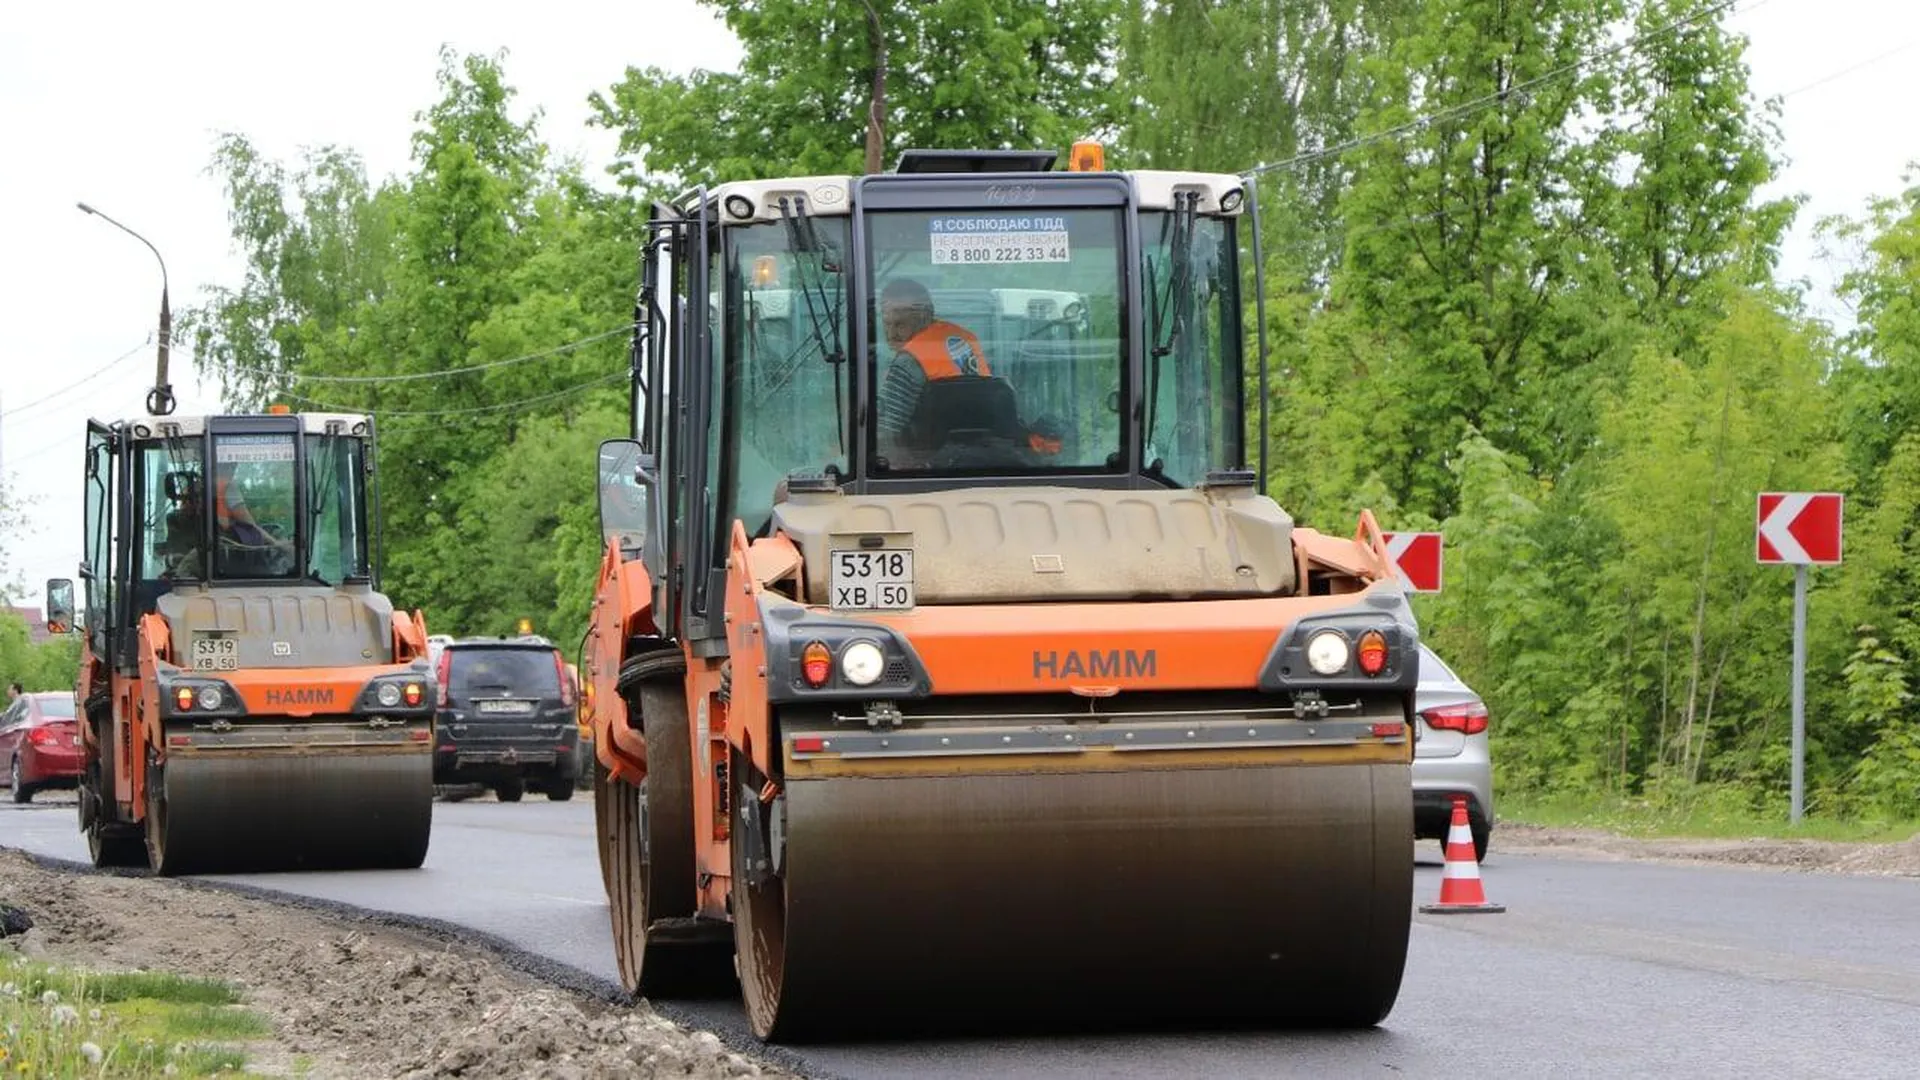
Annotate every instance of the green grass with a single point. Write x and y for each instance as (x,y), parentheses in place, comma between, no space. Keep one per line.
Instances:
(65,1022)
(1706,817)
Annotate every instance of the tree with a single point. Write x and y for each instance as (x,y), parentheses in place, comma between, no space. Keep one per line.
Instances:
(1879,376)
(1224,86)
(819,75)
(403,300)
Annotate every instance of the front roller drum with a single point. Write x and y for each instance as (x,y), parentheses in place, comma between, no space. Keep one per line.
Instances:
(1268,895)
(222,812)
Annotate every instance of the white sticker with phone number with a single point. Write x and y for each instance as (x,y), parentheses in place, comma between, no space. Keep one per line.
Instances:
(248,449)
(988,240)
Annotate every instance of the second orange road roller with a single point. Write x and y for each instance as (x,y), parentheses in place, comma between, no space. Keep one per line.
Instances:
(252,701)
(950,665)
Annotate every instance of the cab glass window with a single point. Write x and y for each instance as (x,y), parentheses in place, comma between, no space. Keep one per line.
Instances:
(997,343)
(170,545)
(253,506)
(784,349)
(336,503)
(1189,280)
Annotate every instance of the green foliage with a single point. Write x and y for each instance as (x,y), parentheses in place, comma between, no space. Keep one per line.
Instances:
(958,73)
(1520,289)
(67,1022)
(53,664)
(485,252)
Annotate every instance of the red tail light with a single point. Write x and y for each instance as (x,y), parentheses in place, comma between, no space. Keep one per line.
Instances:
(1372,652)
(566,684)
(440,671)
(43,736)
(816,663)
(1467,719)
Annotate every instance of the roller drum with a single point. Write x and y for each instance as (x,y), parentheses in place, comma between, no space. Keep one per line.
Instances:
(1274,895)
(227,812)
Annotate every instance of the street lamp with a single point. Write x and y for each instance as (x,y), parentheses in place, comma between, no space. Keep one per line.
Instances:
(160,398)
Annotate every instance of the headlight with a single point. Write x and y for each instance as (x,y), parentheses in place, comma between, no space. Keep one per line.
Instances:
(1327,652)
(211,697)
(862,663)
(389,694)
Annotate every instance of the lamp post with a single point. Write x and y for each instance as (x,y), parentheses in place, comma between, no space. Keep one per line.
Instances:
(160,398)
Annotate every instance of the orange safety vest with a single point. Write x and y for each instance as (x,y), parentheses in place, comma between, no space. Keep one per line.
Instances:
(947,351)
(221,511)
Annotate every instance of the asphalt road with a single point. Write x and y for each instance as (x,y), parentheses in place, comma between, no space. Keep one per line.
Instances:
(1596,968)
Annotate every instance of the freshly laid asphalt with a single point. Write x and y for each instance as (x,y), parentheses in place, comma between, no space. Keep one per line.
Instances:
(1595,969)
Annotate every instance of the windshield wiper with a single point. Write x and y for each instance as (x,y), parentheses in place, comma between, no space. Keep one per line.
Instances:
(1171,314)
(804,239)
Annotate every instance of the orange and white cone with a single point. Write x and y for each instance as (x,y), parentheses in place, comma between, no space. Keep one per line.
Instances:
(1460,891)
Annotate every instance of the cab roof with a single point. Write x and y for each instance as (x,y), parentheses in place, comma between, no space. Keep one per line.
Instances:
(312,423)
(832,196)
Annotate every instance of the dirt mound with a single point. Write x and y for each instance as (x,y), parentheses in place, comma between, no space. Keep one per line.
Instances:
(1900,859)
(353,999)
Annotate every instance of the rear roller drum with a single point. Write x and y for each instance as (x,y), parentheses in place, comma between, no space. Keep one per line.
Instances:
(115,845)
(109,843)
(646,852)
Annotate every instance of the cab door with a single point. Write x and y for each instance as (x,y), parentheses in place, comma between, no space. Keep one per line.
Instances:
(96,555)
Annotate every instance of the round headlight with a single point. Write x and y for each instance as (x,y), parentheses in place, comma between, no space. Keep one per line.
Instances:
(862,663)
(1327,652)
(389,694)
(211,697)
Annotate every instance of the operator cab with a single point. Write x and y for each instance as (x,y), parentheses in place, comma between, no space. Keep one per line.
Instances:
(212,503)
(969,319)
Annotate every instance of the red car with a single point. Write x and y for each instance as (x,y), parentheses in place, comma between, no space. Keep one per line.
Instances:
(40,744)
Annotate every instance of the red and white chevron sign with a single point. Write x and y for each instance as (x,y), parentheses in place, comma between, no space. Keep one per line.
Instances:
(1418,558)
(1798,528)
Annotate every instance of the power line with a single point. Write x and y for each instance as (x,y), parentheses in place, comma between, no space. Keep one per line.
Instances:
(82,381)
(1843,72)
(1497,96)
(293,377)
(424,413)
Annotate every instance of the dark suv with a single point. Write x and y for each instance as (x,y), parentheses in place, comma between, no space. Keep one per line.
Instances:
(506,717)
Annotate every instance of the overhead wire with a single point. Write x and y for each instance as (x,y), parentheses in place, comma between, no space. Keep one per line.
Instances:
(283,383)
(322,406)
(1489,100)
(82,381)
(1848,70)
(488,366)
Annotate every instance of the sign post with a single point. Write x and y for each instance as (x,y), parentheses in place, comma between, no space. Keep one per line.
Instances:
(1418,558)
(1798,529)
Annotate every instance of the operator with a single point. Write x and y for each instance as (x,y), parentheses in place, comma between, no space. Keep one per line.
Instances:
(925,348)
(235,521)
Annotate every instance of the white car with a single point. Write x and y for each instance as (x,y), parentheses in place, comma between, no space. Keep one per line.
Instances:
(1450,756)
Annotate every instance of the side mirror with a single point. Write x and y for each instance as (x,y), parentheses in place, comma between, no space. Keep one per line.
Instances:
(625,482)
(59,606)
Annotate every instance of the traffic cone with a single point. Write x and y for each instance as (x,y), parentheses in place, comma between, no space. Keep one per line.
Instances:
(1460,891)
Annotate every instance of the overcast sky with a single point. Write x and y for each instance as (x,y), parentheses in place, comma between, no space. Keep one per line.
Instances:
(118,104)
